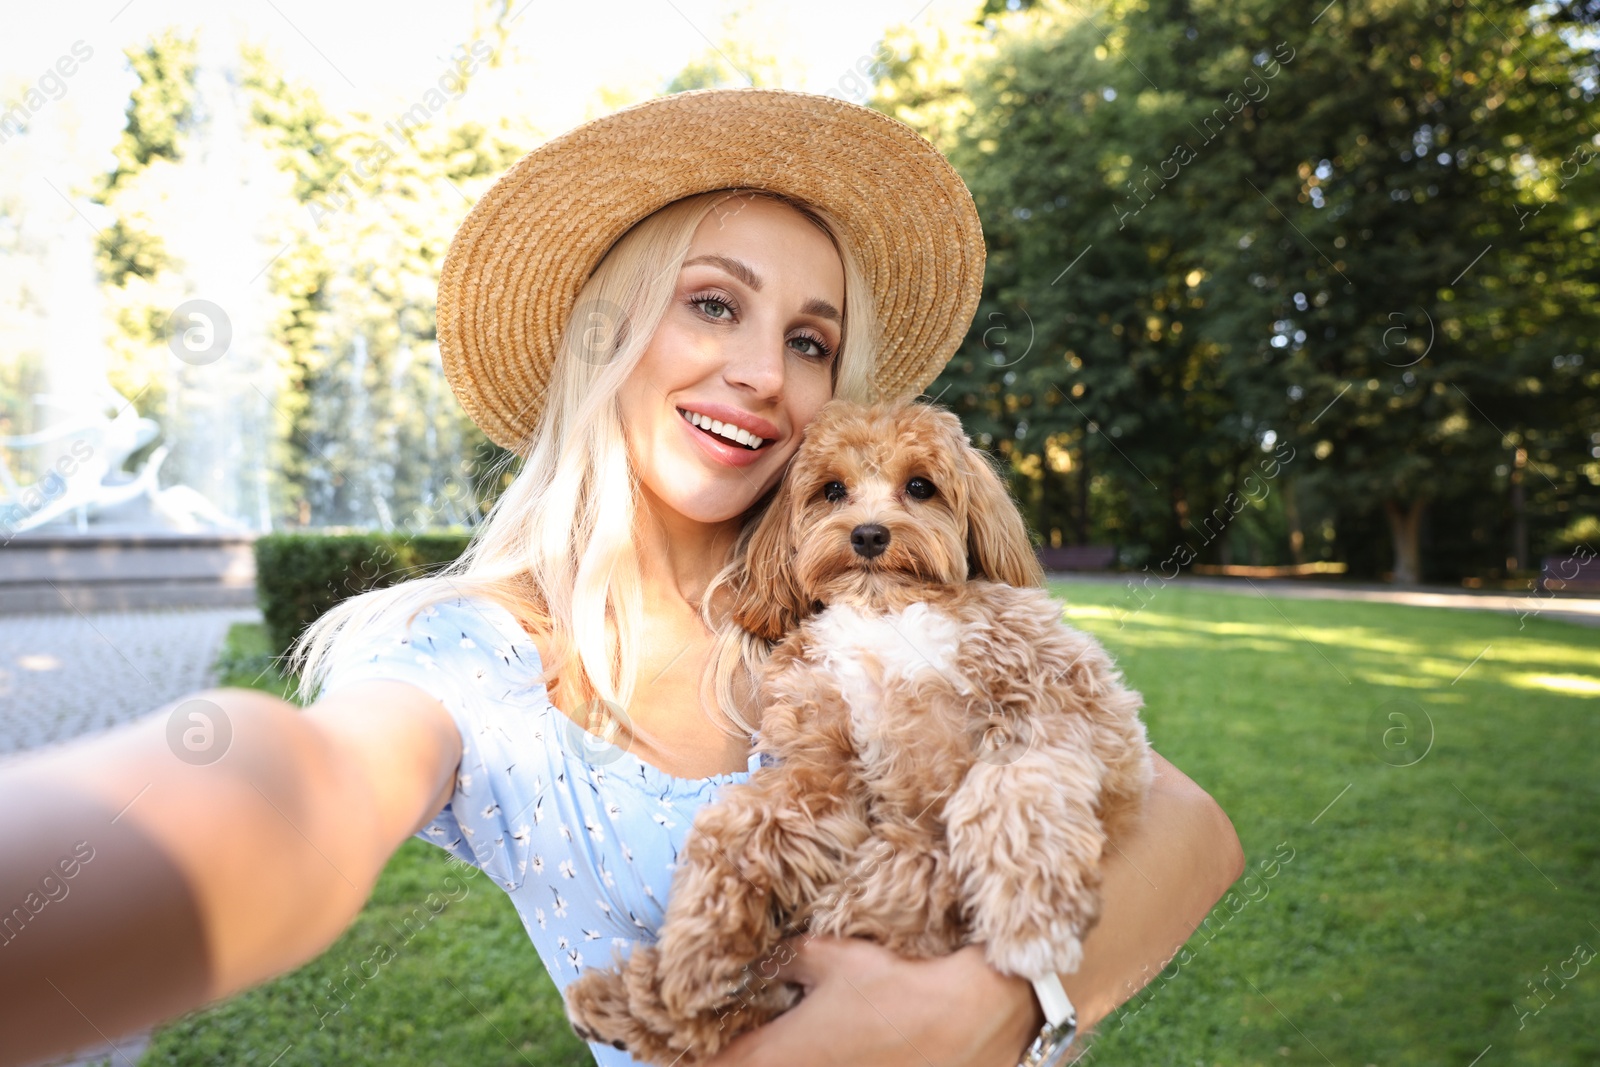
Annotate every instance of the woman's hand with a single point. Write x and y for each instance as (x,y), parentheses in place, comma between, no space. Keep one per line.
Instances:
(864,1004)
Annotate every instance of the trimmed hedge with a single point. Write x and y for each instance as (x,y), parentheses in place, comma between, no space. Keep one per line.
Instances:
(301,575)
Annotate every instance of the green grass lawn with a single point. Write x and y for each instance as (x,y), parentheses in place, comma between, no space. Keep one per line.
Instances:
(1420,784)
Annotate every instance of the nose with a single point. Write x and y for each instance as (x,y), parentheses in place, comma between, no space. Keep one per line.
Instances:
(869,540)
(757,367)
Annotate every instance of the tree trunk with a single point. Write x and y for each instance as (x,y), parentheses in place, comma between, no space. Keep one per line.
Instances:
(1297,536)
(1518,559)
(1405,528)
(1083,496)
(1180,515)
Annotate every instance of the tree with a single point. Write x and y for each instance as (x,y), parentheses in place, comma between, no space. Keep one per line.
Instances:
(1220,239)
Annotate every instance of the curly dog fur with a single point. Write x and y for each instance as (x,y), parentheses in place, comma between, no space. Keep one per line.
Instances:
(951,755)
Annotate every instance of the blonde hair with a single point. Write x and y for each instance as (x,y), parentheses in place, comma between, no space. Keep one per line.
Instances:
(557,550)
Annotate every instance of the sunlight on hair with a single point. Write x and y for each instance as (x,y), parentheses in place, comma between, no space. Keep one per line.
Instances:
(557,548)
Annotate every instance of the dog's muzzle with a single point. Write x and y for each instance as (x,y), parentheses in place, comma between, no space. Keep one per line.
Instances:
(869,540)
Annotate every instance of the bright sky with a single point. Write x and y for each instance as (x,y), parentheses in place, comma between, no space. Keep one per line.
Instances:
(382,57)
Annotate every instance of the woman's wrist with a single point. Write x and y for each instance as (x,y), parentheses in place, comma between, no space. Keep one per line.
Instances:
(1028,1014)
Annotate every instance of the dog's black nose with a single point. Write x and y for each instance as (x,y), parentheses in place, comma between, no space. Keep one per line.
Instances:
(869,540)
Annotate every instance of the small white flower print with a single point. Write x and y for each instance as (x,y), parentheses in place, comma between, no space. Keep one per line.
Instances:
(467,642)
(613,810)
(594,830)
(567,869)
(538,864)
(663,820)
(561,907)
(538,913)
(566,832)
(591,935)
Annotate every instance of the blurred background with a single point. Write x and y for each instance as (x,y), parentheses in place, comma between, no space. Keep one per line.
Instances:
(1365,233)
(1294,301)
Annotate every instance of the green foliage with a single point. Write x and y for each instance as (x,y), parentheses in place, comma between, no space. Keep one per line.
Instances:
(1207,224)
(361,390)
(301,575)
(162,106)
(159,118)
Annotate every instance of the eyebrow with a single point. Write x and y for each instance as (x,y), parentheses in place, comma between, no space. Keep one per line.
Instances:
(741,270)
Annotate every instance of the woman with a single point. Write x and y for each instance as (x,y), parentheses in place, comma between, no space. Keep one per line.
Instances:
(654,338)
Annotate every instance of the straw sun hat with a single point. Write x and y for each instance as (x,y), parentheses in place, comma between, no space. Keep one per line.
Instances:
(514,268)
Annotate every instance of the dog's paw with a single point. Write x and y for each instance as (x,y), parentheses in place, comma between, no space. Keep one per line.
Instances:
(692,991)
(597,1008)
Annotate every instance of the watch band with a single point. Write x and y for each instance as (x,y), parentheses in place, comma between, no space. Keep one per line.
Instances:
(1050,1047)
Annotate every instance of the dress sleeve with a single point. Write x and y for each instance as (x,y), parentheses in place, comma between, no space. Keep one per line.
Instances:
(471,656)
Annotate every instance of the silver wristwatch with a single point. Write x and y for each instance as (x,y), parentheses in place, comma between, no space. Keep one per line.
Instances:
(1050,1048)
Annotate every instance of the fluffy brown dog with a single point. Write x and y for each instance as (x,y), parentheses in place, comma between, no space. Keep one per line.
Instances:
(951,755)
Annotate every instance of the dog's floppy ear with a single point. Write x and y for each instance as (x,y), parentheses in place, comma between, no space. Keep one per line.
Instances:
(998,548)
(769,602)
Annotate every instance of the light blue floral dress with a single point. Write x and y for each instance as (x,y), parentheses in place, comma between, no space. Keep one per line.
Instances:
(582,835)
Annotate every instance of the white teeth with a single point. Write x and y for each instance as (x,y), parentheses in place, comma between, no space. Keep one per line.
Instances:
(726,430)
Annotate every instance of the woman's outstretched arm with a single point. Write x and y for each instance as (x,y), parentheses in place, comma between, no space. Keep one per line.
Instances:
(863,1004)
(141,878)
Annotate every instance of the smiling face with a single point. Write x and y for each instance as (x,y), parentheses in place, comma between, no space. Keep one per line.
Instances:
(745,351)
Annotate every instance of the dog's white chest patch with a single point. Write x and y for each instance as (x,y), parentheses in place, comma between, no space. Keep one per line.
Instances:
(867,654)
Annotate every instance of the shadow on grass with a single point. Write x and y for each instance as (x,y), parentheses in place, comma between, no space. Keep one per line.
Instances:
(1433,773)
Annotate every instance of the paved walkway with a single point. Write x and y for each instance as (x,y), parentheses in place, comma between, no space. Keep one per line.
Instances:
(62,676)
(1579,609)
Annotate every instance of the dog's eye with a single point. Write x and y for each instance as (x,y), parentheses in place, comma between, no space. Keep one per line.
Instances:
(835,491)
(921,488)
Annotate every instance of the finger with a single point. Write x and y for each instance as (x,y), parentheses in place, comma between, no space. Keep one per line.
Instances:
(805,959)
(798,959)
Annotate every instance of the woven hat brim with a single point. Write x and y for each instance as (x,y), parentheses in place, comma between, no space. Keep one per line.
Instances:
(514,269)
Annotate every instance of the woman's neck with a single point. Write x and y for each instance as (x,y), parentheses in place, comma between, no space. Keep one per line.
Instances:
(678,556)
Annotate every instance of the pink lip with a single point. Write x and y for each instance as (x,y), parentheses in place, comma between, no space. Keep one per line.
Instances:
(729,455)
(742,419)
